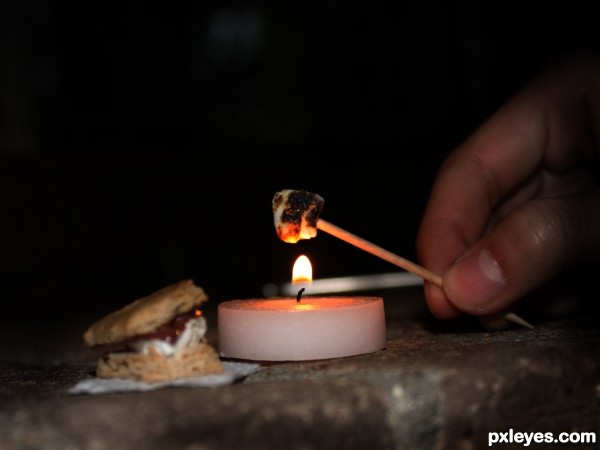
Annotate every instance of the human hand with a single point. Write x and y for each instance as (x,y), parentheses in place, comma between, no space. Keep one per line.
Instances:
(519,200)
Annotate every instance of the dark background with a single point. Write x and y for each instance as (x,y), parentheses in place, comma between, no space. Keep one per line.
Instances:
(141,144)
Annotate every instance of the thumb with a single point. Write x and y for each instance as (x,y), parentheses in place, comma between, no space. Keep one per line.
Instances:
(528,248)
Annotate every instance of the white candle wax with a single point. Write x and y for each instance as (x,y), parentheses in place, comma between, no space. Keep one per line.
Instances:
(283,329)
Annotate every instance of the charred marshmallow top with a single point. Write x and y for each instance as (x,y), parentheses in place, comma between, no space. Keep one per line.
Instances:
(295,214)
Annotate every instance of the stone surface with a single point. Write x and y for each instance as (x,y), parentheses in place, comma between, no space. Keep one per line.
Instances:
(436,386)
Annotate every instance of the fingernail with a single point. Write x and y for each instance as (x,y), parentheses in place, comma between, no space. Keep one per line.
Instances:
(475,281)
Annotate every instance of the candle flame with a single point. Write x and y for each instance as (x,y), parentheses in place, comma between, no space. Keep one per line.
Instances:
(302,271)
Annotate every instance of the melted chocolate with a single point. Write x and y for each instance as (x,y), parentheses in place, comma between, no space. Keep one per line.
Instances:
(168,332)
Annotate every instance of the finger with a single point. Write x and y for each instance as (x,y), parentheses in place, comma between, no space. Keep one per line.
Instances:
(529,247)
(463,199)
(511,159)
(523,151)
(438,303)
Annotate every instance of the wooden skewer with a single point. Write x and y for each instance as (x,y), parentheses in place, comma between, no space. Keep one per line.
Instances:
(379,252)
(397,261)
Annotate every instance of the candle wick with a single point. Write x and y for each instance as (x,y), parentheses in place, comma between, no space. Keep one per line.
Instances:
(299,295)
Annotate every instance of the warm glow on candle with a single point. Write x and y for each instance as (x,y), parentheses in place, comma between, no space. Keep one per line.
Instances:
(302,270)
(283,329)
(301,328)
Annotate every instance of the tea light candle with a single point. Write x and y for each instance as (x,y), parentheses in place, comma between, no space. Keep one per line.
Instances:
(302,328)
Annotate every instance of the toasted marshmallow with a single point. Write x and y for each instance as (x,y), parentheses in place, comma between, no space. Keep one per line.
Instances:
(192,334)
(296,214)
